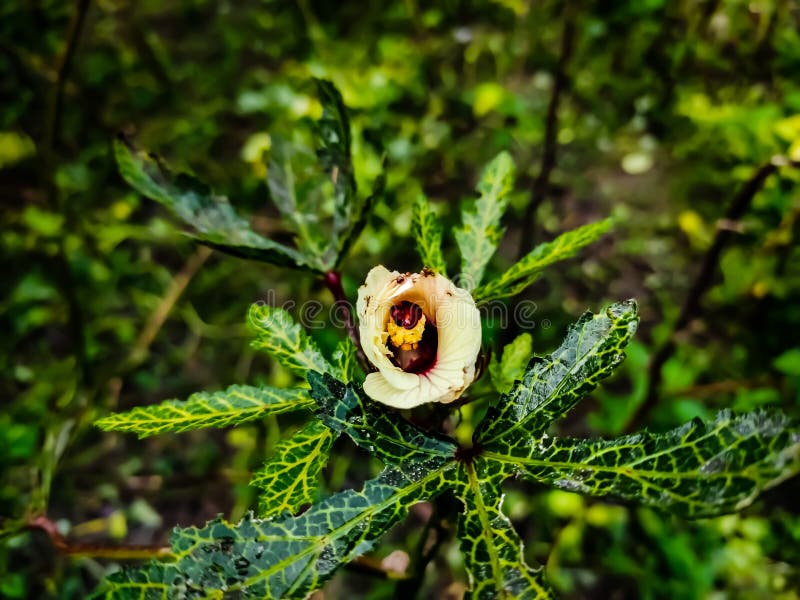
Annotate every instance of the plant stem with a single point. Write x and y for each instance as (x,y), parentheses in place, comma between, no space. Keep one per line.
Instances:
(409,588)
(702,283)
(96,550)
(542,181)
(333,281)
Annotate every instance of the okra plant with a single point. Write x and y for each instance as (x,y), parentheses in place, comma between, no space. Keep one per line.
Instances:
(416,339)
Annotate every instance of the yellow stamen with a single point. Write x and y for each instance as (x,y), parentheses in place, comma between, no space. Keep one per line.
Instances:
(406,339)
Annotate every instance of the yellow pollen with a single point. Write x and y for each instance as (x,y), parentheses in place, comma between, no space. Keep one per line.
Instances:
(406,339)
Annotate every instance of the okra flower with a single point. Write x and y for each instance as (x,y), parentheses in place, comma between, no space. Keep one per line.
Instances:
(421,332)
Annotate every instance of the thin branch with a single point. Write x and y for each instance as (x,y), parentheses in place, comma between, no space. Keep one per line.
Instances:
(425,552)
(64,546)
(56,105)
(702,283)
(161,312)
(333,281)
(542,182)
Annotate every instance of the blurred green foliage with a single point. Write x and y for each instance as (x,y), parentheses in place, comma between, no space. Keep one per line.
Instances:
(667,110)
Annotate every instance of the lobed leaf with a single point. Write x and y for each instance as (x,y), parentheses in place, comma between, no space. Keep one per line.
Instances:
(212,217)
(480,233)
(527,270)
(277,334)
(290,478)
(232,406)
(697,470)
(373,426)
(427,232)
(493,552)
(552,385)
(287,558)
(511,367)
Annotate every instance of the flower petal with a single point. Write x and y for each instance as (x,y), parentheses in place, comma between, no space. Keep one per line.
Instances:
(451,309)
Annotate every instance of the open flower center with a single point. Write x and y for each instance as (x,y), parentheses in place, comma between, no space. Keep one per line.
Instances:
(412,339)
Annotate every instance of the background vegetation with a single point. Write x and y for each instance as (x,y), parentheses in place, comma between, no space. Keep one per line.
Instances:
(680,119)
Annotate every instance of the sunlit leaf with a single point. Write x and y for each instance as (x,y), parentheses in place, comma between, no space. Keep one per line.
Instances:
(211,216)
(290,478)
(528,269)
(492,550)
(427,232)
(554,384)
(697,470)
(232,406)
(511,366)
(277,334)
(480,233)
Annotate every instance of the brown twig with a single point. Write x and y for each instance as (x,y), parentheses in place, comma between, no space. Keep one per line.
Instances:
(333,281)
(425,552)
(542,182)
(702,282)
(64,546)
(161,312)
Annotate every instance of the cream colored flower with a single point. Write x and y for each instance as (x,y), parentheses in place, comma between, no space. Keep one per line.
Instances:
(421,332)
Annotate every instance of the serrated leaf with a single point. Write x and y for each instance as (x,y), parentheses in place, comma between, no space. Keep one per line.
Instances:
(290,478)
(291,557)
(527,270)
(212,217)
(374,427)
(427,232)
(552,385)
(277,334)
(511,367)
(232,406)
(480,233)
(696,470)
(493,552)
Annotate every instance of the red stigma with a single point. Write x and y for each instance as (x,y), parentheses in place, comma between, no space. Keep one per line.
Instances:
(406,314)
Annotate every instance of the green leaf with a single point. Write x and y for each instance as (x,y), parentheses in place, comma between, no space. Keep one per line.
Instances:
(213,218)
(480,233)
(360,215)
(335,156)
(345,363)
(277,334)
(290,478)
(232,406)
(301,216)
(492,549)
(511,367)
(697,470)
(291,557)
(554,384)
(527,270)
(375,427)
(153,581)
(427,232)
